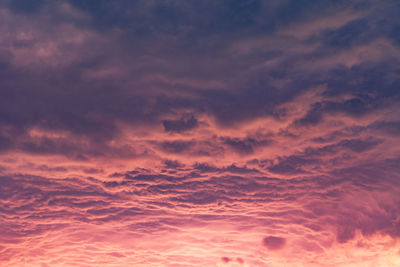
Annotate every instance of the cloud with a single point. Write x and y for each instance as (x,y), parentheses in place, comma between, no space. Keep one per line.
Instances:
(246,145)
(274,242)
(94,114)
(176,146)
(22,6)
(354,107)
(389,127)
(226,259)
(180,133)
(180,125)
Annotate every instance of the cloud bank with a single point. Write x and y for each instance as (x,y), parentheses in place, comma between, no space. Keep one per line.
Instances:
(199,133)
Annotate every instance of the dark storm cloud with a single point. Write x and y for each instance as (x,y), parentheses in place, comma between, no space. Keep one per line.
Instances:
(26,6)
(246,145)
(214,145)
(71,147)
(169,17)
(173,164)
(346,132)
(180,125)
(354,107)
(314,156)
(63,99)
(293,164)
(176,146)
(379,22)
(389,127)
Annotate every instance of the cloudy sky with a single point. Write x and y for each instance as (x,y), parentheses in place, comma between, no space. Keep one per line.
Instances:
(200,133)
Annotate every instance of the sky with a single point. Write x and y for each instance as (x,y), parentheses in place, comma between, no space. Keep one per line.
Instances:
(200,133)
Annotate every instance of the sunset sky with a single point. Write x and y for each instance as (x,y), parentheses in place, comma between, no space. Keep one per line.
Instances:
(200,133)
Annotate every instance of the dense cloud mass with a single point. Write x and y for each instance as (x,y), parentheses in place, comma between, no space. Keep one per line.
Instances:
(199,133)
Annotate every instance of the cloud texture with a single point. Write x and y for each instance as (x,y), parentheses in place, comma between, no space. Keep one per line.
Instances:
(199,133)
